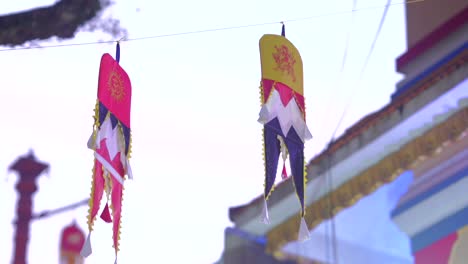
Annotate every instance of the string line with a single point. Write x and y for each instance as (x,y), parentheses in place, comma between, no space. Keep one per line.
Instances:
(333,245)
(363,69)
(209,30)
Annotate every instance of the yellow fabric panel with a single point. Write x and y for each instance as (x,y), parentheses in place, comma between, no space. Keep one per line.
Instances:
(281,62)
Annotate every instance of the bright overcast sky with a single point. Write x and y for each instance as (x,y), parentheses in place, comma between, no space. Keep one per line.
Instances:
(196,140)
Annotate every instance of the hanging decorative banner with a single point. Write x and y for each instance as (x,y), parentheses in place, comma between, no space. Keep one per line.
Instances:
(71,242)
(283,117)
(111,143)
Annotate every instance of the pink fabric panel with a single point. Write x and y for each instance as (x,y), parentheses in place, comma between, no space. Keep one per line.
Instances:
(98,188)
(285,92)
(438,252)
(115,89)
(116,198)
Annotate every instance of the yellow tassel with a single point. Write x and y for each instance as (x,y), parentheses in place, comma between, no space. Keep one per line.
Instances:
(305,188)
(90,203)
(120,223)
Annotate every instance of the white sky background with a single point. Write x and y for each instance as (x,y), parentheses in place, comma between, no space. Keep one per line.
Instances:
(196,141)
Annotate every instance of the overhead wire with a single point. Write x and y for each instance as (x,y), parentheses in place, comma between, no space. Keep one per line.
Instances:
(363,69)
(333,243)
(202,31)
(331,246)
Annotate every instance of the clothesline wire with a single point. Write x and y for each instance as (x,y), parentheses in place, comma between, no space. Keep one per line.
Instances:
(207,30)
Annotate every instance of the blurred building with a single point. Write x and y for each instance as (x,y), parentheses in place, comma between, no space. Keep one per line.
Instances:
(399,176)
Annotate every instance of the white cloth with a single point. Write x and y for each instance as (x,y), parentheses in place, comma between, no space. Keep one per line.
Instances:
(265,218)
(86,249)
(115,142)
(111,136)
(304,233)
(283,148)
(289,116)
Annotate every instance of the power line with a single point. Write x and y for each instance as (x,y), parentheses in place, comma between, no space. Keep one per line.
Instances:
(207,30)
(333,245)
(348,36)
(343,62)
(363,69)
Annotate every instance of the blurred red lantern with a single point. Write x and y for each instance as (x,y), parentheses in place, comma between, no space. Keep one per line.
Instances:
(70,245)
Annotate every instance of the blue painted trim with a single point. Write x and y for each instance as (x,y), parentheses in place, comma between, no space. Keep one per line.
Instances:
(247,236)
(411,84)
(440,230)
(431,191)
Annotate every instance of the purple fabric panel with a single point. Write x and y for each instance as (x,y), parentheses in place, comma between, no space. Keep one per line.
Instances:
(272,153)
(102,113)
(114,121)
(126,132)
(296,159)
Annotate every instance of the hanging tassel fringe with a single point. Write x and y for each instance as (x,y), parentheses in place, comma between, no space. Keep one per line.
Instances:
(284,174)
(86,249)
(304,233)
(91,142)
(265,217)
(284,155)
(105,215)
(129,170)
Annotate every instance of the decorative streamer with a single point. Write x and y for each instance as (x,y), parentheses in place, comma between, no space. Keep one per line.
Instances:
(111,143)
(283,117)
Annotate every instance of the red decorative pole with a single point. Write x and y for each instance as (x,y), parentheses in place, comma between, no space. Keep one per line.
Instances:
(28,169)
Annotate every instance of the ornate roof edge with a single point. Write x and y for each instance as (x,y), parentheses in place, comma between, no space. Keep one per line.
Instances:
(386,170)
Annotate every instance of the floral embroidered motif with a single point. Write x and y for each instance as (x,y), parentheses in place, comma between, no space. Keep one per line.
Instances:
(285,61)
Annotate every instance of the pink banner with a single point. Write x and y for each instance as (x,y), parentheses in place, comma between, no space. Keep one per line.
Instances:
(115,89)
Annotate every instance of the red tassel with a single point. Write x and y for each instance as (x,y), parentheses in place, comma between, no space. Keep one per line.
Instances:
(284,174)
(105,215)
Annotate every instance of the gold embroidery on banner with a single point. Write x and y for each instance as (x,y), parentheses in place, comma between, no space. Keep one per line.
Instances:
(115,85)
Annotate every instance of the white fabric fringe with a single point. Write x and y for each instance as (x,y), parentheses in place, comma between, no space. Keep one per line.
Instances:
(304,233)
(86,250)
(265,217)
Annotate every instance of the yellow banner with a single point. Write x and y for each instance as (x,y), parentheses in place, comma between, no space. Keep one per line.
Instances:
(281,62)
